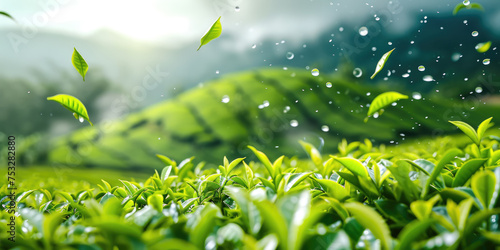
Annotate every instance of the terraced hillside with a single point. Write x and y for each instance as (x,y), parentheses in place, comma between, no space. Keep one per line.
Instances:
(270,109)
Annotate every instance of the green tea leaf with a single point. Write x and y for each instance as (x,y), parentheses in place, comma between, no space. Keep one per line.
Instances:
(398,212)
(7,15)
(468,130)
(79,63)
(72,104)
(381,62)
(355,166)
(483,47)
(382,101)
(156,202)
(166,160)
(482,128)
(462,6)
(312,152)
(483,185)
(370,219)
(448,156)
(212,33)
(333,189)
(263,158)
(411,232)
(466,171)
(233,164)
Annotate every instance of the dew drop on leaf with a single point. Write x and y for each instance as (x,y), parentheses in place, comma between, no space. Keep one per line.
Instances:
(486,61)
(416,96)
(294,123)
(475,33)
(289,55)
(357,72)
(325,128)
(315,72)
(81,119)
(421,68)
(363,31)
(328,84)
(225,99)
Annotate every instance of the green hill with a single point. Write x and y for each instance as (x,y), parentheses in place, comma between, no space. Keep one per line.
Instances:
(262,105)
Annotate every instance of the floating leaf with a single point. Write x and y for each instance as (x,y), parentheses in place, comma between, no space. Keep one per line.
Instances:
(381,63)
(462,6)
(72,104)
(7,15)
(483,47)
(383,100)
(79,63)
(211,34)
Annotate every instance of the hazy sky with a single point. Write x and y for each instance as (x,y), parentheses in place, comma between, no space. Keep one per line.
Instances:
(174,22)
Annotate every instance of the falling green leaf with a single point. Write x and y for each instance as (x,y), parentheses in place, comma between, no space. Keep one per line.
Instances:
(79,63)
(383,100)
(7,15)
(72,104)
(381,62)
(483,47)
(211,34)
(462,6)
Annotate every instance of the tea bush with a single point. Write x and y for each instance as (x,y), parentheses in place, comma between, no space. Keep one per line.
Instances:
(436,194)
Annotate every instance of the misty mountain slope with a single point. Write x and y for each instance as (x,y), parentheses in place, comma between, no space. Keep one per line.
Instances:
(270,109)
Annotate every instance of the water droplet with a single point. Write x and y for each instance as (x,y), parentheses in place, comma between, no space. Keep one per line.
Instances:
(217,72)
(374,48)
(466,2)
(287,108)
(363,31)
(357,72)
(341,29)
(328,84)
(325,128)
(479,90)
(289,55)
(428,78)
(29,92)
(159,138)
(225,99)
(421,68)
(294,123)
(416,96)
(456,56)
(406,75)
(80,119)
(315,72)
(254,46)
(475,33)
(237,8)
(486,61)
(266,103)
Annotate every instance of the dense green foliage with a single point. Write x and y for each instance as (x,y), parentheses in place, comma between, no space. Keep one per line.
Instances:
(435,194)
(199,123)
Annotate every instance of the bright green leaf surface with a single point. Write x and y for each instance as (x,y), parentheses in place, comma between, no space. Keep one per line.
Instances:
(72,104)
(212,33)
(382,62)
(382,100)
(79,63)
